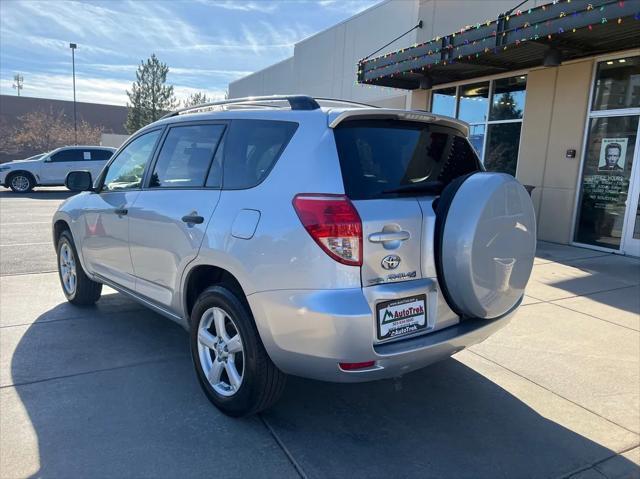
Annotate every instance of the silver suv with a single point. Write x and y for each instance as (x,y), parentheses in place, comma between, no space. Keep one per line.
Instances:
(295,235)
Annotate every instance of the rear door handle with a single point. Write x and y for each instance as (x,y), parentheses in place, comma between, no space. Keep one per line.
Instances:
(121,211)
(384,237)
(193,219)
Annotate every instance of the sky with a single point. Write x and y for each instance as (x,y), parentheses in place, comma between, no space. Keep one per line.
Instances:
(205,43)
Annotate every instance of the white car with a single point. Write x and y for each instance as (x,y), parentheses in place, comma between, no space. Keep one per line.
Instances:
(51,169)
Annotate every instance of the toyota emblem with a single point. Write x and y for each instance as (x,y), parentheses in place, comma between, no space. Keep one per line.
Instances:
(391,261)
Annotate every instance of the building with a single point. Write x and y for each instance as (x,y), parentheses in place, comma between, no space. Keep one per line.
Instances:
(110,118)
(551,92)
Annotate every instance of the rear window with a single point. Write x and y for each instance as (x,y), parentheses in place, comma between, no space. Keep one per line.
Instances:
(251,148)
(378,157)
(67,155)
(99,155)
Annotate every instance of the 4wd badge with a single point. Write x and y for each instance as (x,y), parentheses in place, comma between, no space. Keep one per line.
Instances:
(391,261)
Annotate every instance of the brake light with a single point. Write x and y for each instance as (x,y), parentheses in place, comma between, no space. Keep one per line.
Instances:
(333,223)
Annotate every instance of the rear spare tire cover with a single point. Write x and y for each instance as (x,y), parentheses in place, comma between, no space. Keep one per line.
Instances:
(485,244)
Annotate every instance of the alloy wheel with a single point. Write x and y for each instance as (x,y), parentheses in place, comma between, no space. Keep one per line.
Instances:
(68,269)
(221,351)
(20,183)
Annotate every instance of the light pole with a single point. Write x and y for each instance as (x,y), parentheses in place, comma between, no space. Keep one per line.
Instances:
(73,47)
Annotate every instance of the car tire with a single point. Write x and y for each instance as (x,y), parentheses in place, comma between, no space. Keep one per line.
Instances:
(78,288)
(243,380)
(20,182)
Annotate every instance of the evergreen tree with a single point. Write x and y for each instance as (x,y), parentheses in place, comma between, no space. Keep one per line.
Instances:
(150,97)
(196,99)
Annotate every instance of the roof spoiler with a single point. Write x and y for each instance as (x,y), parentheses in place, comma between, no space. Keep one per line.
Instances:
(408,115)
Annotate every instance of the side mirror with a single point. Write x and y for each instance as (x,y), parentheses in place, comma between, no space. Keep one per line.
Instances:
(79,181)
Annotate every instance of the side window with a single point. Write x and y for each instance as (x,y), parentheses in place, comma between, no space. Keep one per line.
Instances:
(67,155)
(99,155)
(251,149)
(127,169)
(185,156)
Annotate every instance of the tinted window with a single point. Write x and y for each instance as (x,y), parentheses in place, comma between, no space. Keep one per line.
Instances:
(98,155)
(67,155)
(378,156)
(251,149)
(127,169)
(185,156)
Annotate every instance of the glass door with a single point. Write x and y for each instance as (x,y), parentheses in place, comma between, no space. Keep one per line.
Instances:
(608,199)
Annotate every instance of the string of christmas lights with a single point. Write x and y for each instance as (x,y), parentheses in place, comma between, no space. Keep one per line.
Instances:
(530,32)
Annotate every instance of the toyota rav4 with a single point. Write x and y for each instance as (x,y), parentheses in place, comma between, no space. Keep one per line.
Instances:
(296,235)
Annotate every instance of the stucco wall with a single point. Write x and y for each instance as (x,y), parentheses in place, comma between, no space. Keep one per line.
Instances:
(555,115)
(325,64)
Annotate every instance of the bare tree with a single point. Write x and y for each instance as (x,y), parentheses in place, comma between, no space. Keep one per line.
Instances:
(41,131)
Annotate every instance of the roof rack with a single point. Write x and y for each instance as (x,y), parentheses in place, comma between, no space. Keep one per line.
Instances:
(296,102)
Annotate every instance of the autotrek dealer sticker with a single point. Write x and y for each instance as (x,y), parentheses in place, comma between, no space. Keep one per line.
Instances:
(401,317)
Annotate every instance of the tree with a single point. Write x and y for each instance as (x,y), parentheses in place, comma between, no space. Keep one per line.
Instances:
(41,131)
(196,99)
(504,138)
(150,97)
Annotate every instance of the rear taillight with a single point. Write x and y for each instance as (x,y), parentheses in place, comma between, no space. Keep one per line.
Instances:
(333,222)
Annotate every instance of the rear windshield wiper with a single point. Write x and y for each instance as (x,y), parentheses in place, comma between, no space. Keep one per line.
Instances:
(429,187)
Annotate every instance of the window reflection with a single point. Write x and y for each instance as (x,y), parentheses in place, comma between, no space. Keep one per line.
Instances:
(444,102)
(503,144)
(474,100)
(617,84)
(476,138)
(508,98)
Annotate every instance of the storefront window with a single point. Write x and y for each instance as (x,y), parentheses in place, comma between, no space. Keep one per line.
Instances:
(503,144)
(617,84)
(444,102)
(605,180)
(508,98)
(474,100)
(476,137)
(493,131)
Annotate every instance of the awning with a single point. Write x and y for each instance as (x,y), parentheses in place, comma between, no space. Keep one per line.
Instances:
(572,28)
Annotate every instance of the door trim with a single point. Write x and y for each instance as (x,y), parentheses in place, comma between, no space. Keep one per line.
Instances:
(143,300)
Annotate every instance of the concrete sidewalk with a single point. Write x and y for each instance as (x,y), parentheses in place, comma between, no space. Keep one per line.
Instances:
(110,392)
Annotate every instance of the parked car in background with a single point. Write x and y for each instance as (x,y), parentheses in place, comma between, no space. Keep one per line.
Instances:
(294,235)
(51,169)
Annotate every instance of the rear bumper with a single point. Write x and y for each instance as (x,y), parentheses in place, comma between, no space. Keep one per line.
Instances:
(308,333)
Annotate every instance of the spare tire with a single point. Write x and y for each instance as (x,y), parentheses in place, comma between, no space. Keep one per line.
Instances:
(485,243)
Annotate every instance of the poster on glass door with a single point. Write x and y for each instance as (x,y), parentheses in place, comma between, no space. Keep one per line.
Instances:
(613,153)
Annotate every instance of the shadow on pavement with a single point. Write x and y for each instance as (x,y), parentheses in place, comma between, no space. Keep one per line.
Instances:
(38,194)
(593,274)
(127,404)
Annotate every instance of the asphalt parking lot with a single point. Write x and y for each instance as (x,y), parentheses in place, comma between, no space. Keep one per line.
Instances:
(109,391)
